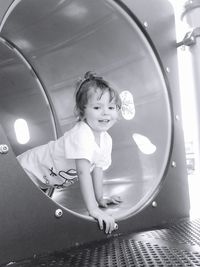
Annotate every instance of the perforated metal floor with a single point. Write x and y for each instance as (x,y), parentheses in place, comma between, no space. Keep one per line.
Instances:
(175,245)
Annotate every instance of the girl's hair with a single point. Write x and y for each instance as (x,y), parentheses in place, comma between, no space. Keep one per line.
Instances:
(92,82)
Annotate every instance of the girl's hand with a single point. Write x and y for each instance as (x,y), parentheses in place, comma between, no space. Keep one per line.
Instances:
(102,219)
(104,202)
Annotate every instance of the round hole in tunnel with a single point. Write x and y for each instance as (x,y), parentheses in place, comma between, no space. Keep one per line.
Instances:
(64,40)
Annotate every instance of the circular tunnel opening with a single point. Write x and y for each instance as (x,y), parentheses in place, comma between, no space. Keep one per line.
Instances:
(60,43)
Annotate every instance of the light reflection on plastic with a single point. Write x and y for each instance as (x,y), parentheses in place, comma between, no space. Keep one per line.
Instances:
(144,144)
(75,11)
(21,131)
(128,106)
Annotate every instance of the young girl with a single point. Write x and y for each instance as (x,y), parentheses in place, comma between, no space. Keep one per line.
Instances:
(82,153)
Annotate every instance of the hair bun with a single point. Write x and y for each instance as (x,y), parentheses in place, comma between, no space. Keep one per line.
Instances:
(89,75)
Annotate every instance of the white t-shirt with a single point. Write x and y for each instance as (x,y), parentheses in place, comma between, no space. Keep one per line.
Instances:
(53,164)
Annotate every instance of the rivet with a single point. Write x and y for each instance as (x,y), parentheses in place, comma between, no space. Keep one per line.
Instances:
(116,226)
(177,117)
(58,213)
(173,164)
(146,24)
(4,149)
(154,204)
(168,69)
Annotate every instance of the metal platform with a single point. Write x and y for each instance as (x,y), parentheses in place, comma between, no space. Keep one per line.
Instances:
(177,244)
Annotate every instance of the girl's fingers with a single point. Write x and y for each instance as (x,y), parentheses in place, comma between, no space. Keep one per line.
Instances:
(107,228)
(116,199)
(104,205)
(100,224)
(110,226)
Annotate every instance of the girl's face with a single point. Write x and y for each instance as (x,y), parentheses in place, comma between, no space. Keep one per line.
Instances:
(100,114)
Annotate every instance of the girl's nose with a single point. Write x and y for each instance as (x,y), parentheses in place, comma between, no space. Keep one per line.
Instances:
(105,111)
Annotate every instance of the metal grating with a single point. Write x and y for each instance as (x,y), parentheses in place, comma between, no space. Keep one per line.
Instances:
(183,232)
(176,245)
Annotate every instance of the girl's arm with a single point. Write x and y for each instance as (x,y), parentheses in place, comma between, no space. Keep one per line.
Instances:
(87,189)
(102,200)
(97,178)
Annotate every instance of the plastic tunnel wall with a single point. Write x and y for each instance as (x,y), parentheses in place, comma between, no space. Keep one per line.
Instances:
(45,46)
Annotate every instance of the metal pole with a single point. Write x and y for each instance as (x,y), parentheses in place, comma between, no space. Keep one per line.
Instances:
(191,16)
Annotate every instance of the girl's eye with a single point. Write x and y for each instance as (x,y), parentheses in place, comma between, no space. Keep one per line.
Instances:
(96,108)
(112,107)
